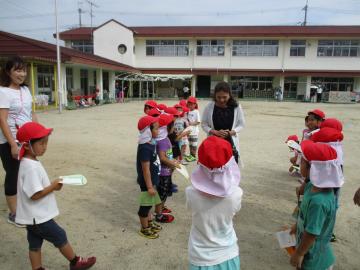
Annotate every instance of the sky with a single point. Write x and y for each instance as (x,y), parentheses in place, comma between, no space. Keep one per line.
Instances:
(36,18)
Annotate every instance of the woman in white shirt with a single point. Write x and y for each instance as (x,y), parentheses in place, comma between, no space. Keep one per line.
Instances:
(15,110)
(224,117)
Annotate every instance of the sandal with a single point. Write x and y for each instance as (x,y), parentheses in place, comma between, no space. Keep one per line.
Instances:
(154,226)
(164,218)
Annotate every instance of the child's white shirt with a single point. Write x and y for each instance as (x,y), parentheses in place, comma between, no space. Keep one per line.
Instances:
(32,179)
(194,116)
(212,237)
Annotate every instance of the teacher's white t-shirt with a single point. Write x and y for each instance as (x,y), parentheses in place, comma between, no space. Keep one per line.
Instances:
(19,103)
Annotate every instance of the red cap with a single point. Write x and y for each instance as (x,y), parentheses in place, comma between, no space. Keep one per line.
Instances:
(30,131)
(292,138)
(317,151)
(146,121)
(178,106)
(186,109)
(214,152)
(153,112)
(318,112)
(182,102)
(151,103)
(327,135)
(332,123)
(161,107)
(165,119)
(192,100)
(172,111)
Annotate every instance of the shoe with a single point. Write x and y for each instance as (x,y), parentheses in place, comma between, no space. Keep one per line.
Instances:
(148,233)
(154,226)
(333,238)
(190,158)
(11,220)
(83,263)
(164,218)
(174,188)
(166,210)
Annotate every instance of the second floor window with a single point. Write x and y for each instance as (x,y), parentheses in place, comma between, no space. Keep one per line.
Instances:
(210,47)
(83,46)
(255,48)
(297,48)
(167,47)
(344,48)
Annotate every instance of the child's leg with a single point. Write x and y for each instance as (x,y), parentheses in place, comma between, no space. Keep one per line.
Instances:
(144,216)
(35,259)
(67,252)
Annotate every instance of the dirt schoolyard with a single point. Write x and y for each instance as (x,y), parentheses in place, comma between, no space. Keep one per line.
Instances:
(101,218)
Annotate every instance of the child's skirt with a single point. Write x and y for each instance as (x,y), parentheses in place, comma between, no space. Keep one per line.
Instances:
(232,264)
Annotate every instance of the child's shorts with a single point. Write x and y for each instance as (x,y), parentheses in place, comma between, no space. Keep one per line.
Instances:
(193,140)
(49,231)
(232,264)
(183,141)
(164,187)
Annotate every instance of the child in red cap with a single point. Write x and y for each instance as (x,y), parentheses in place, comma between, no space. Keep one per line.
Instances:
(214,198)
(180,124)
(148,166)
(168,164)
(317,214)
(194,121)
(149,104)
(293,142)
(36,207)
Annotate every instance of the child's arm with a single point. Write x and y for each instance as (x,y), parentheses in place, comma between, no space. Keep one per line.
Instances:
(182,134)
(147,176)
(170,163)
(55,185)
(306,242)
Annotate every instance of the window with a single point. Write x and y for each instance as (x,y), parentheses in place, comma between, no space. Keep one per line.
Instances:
(83,45)
(297,48)
(255,48)
(339,48)
(210,47)
(84,81)
(69,79)
(334,84)
(167,47)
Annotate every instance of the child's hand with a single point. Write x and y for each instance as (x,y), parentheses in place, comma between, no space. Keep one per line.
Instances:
(57,185)
(296,260)
(177,164)
(151,191)
(293,229)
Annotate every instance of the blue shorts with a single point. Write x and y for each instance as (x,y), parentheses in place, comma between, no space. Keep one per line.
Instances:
(49,231)
(232,264)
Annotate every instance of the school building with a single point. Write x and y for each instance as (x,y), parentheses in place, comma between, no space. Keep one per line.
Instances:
(81,72)
(255,60)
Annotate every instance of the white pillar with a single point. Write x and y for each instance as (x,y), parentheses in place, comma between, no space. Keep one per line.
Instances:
(63,85)
(112,83)
(308,86)
(131,89)
(226,78)
(281,84)
(99,82)
(193,85)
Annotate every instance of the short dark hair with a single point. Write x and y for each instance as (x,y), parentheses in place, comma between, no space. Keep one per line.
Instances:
(14,62)
(317,117)
(225,87)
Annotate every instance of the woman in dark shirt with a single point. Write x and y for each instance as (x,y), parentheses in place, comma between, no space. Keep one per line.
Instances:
(224,117)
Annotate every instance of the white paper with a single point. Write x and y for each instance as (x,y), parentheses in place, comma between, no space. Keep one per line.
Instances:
(75,179)
(183,171)
(286,239)
(294,145)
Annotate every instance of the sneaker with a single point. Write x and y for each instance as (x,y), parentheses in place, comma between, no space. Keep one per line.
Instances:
(154,226)
(11,220)
(333,238)
(166,210)
(148,233)
(174,188)
(184,162)
(83,263)
(190,158)
(164,218)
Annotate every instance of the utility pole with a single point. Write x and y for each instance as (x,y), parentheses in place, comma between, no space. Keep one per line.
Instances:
(92,4)
(58,60)
(80,10)
(306,10)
